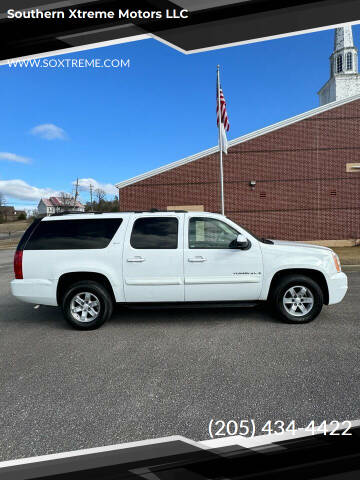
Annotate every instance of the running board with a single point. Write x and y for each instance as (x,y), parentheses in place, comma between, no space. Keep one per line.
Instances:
(169,305)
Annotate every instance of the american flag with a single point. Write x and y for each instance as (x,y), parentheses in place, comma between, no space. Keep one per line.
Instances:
(221,117)
(224,116)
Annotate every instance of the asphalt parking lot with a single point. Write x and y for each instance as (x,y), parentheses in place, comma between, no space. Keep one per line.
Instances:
(148,374)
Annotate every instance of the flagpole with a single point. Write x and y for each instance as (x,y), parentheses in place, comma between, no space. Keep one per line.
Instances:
(220,144)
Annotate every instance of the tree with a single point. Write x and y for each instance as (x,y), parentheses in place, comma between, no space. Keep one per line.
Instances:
(33,214)
(114,207)
(100,196)
(66,199)
(104,205)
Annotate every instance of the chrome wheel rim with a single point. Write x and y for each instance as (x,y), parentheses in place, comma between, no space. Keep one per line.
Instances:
(85,307)
(298,301)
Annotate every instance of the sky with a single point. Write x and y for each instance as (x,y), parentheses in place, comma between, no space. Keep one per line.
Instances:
(105,125)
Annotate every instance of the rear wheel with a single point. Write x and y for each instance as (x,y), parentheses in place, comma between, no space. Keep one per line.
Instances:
(297,299)
(86,305)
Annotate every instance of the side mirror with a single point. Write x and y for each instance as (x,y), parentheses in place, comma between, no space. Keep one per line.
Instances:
(242,242)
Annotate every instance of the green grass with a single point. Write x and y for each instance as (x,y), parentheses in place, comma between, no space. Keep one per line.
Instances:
(14,226)
(8,244)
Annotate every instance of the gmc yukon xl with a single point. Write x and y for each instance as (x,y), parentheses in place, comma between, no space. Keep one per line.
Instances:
(86,263)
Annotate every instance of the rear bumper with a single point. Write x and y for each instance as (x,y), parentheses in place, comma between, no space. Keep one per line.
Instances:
(337,285)
(36,291)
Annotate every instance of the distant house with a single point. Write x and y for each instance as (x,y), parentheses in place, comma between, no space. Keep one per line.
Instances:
(49,206)
(9,214)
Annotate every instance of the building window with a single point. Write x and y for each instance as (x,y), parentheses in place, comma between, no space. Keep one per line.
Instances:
(349,61)
(339,64)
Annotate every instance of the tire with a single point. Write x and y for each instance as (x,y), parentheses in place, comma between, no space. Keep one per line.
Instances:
(94,297)
(297,299)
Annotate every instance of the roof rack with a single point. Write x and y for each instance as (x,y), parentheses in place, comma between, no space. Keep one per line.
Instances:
(73,212)
(155,210)
(152,210)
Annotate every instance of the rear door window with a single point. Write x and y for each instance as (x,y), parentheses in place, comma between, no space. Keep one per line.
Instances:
(73,234)
(155,233)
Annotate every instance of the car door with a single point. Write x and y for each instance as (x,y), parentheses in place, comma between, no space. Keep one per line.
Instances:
(153,263)
(214,270)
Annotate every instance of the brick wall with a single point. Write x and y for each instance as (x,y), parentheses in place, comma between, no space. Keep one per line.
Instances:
(302,191)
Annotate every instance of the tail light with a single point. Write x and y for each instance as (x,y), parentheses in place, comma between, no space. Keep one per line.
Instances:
(18,264)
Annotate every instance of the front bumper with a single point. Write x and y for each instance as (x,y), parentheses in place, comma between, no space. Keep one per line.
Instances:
(337,285)
(36,291)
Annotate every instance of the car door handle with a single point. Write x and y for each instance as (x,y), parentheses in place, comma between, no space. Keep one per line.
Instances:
(136,259)
(197,259)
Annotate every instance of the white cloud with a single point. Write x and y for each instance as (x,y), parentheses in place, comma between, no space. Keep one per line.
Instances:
(20,190)
(49,131)
(12,157)
(84,185)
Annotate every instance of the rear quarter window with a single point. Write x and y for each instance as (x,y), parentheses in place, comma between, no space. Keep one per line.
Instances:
(73,234)
(27,234)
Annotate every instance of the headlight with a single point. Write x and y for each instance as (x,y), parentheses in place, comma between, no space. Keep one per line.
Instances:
(336,262)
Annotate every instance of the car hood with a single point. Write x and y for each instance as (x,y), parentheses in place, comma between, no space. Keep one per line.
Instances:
(299,244)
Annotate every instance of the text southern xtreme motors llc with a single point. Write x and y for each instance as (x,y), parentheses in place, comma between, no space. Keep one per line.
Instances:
(76,13)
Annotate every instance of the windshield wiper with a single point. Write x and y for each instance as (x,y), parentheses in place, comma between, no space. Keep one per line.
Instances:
(266,240)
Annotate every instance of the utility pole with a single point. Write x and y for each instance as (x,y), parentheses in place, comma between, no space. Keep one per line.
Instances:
(91,197)
(76,191)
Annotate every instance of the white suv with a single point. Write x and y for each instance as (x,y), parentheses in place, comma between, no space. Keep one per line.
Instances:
(88,262)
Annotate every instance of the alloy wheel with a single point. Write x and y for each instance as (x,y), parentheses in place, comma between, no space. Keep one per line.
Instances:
(298,301)
(85,307)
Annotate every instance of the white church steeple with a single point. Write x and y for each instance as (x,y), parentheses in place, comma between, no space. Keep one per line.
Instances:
(344,77)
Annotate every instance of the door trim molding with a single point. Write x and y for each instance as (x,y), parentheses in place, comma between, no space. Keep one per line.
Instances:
(222,280)
(154,281)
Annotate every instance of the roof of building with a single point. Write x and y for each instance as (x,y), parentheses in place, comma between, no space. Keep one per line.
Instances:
(236,141)
(46,202)
(9,210)
(59,202)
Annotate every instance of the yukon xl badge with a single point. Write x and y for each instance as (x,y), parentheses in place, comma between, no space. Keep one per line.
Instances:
(246,273)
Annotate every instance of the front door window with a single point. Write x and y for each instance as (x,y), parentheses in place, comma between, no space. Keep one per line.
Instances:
(210,233)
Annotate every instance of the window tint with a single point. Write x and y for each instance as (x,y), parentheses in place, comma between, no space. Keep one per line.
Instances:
(151,233)
(210,233)
(73,234)
(27,234)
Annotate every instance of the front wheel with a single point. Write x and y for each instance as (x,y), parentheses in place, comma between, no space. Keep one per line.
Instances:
(86,305)
(297,299)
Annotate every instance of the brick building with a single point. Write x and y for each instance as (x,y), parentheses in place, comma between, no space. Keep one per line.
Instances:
(306,169)
(298,179)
